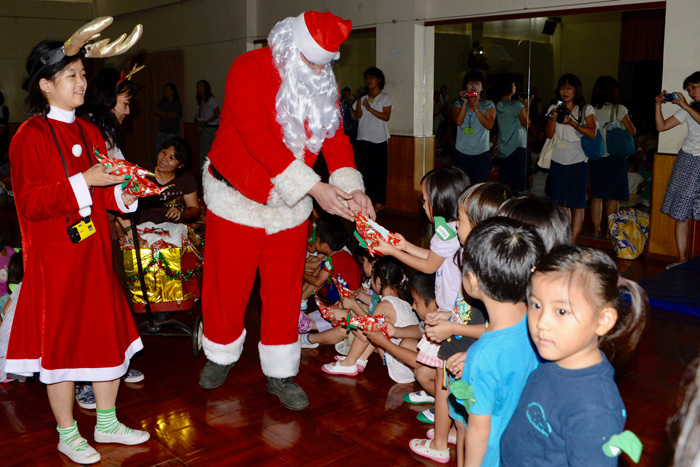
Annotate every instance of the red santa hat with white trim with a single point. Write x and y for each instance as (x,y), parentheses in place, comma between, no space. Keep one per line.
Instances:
(319,35)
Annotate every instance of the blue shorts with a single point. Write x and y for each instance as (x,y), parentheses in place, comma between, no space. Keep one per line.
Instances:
(569,184)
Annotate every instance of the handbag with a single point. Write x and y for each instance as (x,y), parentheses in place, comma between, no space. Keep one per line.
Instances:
(593,148)
(619,141)
(545,160)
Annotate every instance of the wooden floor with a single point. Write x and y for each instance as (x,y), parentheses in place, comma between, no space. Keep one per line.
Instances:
(351,420)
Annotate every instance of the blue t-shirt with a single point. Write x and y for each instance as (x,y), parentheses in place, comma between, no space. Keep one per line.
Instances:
(564,417)
(511,132)
(476,142)
(497,366)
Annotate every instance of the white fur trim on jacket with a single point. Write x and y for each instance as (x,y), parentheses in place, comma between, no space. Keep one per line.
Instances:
(274,216)
(347,179)
(280,361)
(223,354)
(295,182)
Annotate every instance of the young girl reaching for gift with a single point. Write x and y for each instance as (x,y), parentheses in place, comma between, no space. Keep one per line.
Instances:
(389,282)
(578,308)
(456,331)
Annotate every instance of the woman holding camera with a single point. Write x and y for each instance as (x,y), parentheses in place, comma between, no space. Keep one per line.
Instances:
(609,173)
(569,121)
(474,118)
(512,118)
(682,196)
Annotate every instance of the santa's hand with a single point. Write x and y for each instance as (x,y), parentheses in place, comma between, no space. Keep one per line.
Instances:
(360,202)
(99,175)
(128,199)
(327,196)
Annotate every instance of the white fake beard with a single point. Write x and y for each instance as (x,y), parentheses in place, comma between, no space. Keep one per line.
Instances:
(306,102)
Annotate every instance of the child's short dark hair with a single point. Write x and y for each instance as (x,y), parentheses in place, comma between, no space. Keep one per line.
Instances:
(596,274)
(423,285)
(443,186)
(550,220)
(482,200)
(15,269)
(390,274)
(501,252)
(361,254)
(332,233)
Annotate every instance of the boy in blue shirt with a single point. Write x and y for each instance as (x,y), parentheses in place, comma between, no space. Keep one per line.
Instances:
(497,259)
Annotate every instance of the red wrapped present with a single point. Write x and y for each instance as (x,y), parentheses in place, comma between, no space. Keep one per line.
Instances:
(369,324)
(136,183)
(327,312)
(369,232)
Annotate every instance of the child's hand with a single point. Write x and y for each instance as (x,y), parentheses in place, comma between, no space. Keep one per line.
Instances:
(439,332)
(376,338)
(401,242)
(348,303)
(339,314)
(390,329)
(434,317)
(455,364)
(360,335)
(384,248)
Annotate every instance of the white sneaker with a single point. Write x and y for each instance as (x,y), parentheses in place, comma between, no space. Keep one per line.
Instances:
(306,342)
(135,437)
(86,456)
(85,397)
(133,376)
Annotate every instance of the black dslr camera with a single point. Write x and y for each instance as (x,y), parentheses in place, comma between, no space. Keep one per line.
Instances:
(562,112)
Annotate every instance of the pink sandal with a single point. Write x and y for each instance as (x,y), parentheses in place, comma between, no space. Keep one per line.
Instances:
(337,369)
(422,448)
(451,439)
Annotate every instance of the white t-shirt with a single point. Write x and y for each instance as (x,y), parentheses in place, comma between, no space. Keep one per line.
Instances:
(370,128)
(206,111)
(691,143)
(602,116)
(567,149)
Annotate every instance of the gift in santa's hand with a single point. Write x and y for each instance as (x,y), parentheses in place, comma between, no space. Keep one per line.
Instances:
(135,181)
(369,232)
(369,324)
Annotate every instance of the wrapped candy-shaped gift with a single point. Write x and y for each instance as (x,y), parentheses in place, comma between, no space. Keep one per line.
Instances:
(369,324)
(343,290)
(327,312)
(369,232)
(135,183)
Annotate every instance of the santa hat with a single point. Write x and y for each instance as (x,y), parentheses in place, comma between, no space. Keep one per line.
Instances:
(319,35)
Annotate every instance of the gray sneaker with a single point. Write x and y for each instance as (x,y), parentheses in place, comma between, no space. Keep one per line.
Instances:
(214,375)
(291,395)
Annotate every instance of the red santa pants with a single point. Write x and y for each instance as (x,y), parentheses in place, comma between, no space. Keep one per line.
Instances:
(233,253)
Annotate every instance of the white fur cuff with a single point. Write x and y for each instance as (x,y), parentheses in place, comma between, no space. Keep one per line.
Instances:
(280,361)
(347,179)
(295,182)
(223,354)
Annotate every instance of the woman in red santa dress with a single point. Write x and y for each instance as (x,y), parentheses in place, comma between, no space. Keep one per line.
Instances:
(259,186)
(72,322)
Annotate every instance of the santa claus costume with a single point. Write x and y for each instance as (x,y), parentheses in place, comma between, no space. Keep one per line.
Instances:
(280,110)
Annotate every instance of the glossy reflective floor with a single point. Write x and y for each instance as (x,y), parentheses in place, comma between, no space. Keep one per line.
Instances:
(351,420)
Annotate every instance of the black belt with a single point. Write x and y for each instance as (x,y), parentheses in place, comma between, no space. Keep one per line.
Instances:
(217,175)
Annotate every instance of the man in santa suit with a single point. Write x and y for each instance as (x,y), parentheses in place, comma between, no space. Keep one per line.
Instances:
(281,109)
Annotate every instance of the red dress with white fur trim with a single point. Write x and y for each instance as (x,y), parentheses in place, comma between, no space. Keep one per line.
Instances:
(72,322)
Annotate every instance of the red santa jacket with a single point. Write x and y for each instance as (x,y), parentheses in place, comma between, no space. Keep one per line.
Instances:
(268,182)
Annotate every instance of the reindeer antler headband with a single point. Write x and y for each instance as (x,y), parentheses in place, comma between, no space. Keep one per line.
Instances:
(100,49)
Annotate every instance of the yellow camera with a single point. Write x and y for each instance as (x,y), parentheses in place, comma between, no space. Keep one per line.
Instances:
(81,230)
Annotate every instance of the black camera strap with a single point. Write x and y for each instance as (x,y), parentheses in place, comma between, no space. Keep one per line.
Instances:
(63,160)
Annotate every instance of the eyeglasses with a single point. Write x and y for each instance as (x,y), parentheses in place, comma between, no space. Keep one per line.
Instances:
(314,66)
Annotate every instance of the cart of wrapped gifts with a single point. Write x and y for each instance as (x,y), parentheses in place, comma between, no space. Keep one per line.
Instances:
(169,271)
